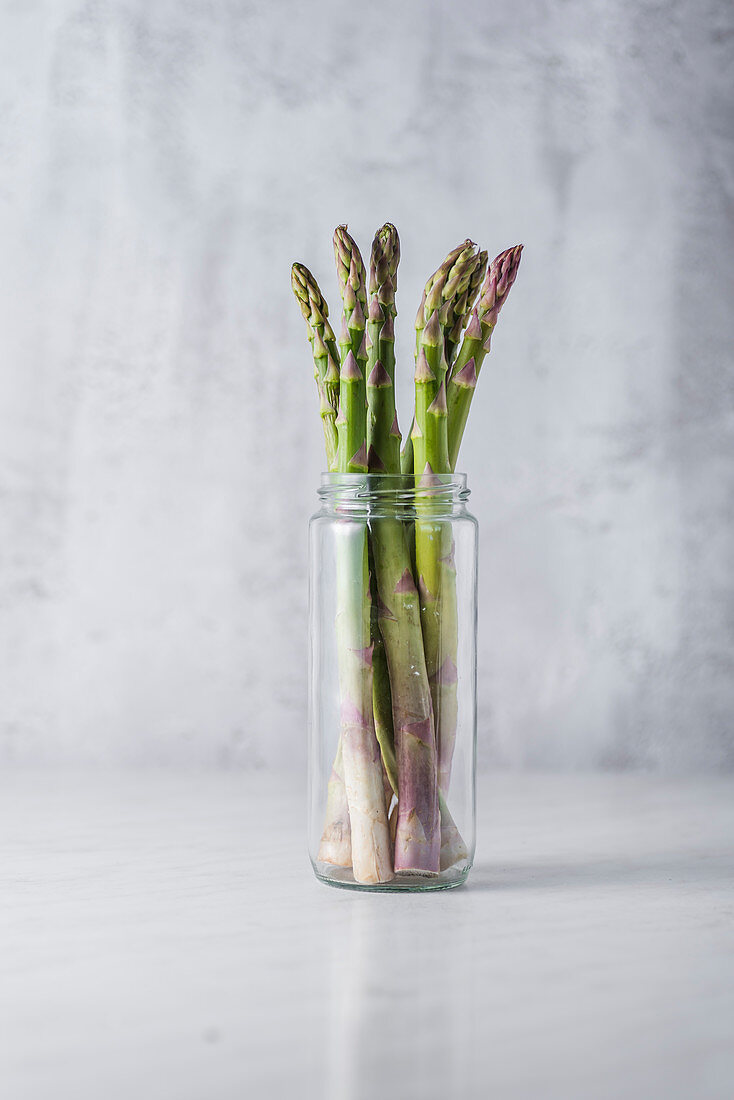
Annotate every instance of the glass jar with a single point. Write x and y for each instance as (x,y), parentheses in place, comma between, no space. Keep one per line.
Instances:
(392,682)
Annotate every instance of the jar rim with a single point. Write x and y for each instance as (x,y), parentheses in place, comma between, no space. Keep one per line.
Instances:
(400,488)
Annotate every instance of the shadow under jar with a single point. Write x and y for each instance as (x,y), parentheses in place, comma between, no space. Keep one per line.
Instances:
(392,682)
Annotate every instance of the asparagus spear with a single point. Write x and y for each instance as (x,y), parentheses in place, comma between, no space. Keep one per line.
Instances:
(371,846)
(434,321)
(351,422)
(321,337)
(432,295)
(336,844)
(434,287)
(363,774)
(383,433)
(417,841)
(410,758)
(461,386)
(433,536)
(464,303)
(475,347)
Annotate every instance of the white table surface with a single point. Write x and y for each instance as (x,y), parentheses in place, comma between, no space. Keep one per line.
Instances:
(162,936)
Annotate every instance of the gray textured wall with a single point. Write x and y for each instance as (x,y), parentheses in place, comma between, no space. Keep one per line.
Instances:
(162,163)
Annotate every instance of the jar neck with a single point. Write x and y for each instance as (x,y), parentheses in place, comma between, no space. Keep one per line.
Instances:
(365,495)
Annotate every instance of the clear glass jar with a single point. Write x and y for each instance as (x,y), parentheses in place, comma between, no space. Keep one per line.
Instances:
(392,682)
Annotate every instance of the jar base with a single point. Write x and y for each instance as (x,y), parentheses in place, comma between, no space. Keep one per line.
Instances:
(343,879)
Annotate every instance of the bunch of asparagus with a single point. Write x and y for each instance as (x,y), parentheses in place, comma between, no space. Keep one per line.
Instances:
(397,625)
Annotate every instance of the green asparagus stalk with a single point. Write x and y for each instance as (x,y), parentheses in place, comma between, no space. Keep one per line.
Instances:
(383,444)
(410,756)
(321,337)
(371,847)
(418,838)
(430,300)
(336,844)
(462,382)
(351,422)
(363,770)
(433,537)
(476,344)
(383,433)
(435,320)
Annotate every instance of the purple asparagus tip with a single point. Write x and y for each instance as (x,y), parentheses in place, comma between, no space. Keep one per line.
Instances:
(502,274)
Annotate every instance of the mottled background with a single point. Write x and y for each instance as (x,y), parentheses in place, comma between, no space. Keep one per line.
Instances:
(161,164)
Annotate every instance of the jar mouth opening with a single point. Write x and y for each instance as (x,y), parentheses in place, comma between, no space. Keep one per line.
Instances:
(399,488)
